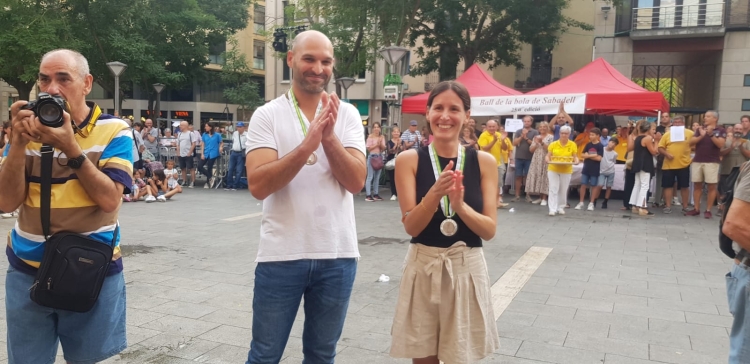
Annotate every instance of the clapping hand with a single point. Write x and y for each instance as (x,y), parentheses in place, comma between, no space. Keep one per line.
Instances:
(445,182)
(456,194)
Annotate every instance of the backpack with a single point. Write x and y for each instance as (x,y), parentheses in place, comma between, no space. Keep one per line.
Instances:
(725,243)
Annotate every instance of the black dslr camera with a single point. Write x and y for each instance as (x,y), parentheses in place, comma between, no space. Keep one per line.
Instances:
(49,109)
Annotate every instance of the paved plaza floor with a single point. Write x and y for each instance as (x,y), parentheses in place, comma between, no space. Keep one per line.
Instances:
(614,289)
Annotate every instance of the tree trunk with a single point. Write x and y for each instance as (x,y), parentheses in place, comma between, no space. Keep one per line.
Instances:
(448,62)
(23,87)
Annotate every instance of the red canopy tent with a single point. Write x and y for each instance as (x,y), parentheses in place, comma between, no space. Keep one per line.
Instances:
(607,91)
(476,80)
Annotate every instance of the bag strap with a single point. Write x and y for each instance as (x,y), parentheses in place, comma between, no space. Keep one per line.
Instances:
(45,194)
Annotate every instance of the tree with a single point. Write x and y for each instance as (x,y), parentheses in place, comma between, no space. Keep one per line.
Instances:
(31,29)
(484,31)
(240,87)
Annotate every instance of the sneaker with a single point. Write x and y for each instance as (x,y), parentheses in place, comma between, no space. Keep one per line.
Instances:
(604,204)
(516,199)
(150,199)
(707,214)
(9,215)
(536,202)
(692,212)
(591,207)
(183,184)
(191,185)
(528,199)
(502,205)
(377,198)
(579,206)
(676,202)
(369,199)
(543,203)
(126,198)
(561,211)
(227,189)
(206,185)
(233,189)
(552,213)
(161,198)
(394,198)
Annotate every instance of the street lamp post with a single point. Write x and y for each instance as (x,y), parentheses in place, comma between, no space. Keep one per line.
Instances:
(117,69)
(158,87)
(345,83)
(393,56)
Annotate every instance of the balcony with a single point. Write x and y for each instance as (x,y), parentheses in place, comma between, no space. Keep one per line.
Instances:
(679,21)
(528,79)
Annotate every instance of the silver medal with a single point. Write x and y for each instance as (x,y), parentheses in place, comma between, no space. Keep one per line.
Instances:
(448,227)
(312,159)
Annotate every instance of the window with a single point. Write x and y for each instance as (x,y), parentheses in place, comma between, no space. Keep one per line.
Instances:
(259,55)
(745,104)
(286,72)
(747,81)
(288,13)
(259,19)
(216,51)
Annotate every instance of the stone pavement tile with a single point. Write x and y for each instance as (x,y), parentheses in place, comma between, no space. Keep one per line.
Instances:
(710,320)
(363,356)
(680,356)
(618,359)
(134,353)
(537,309)
(614,297)
(712,282)
(683,328)
(652,293)
(231,335)
(187,283)
(542,281)
(556,290)
(559,354)
(367,340)
(143,289)
(137,317)
(706,308)
(180,346)
(678,288)
(185,309)
(718,298)
(607,345)
(230,317)
(594,329)
(137,334)
(531,297)
(145,277)
(184,294)
(649,312)
(225,354)
(723,310)
(378,310)
(4,350)
(529,333)
(144,302)
(629,333)
(209,276)
(233,300)
(648,277)
(617,282)
(223,288)
(712,345)
(518,318)
(593,305)
(508,346)
(182,326)
(612,319)
(587,286)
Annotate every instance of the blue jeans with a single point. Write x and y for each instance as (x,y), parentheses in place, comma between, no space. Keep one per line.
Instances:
(372,176)
(326,285)
(234,172)
(738,289)
(89,337)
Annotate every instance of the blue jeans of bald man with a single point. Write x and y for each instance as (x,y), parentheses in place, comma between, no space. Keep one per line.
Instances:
(234,172)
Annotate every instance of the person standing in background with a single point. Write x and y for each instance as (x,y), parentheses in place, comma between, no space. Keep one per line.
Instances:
(237,157)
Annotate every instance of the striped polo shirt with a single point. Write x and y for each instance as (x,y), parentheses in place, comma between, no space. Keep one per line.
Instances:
(108,143)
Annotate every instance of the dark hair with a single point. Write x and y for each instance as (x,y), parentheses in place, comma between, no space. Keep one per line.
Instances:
(643,127)
(617,141)
(159,174)
(454,86)
(6,125)
(596,131)
(745,116)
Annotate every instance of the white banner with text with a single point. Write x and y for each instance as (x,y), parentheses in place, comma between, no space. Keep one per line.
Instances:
(527,104)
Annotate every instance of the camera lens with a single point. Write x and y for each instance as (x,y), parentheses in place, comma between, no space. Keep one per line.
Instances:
(49,113)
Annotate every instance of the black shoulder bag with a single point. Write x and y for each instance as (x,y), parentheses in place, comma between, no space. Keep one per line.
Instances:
(74,266)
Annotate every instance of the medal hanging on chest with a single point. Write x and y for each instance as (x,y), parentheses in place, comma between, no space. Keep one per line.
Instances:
(448,227)
(313,158)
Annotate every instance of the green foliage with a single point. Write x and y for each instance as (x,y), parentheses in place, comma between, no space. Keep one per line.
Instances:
(484,31)
(240,88)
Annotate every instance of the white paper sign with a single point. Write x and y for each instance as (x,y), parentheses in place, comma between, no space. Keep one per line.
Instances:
(527,104)
(677,134)
(511,125)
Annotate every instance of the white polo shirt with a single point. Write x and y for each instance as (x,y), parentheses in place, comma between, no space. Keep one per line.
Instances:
(313,216)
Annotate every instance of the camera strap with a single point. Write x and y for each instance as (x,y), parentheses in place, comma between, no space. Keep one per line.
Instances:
(45,193)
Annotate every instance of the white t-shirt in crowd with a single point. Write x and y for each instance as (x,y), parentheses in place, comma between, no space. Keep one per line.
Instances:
(313,216)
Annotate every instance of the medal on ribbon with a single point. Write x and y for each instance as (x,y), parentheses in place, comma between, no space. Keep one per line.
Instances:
(313,158)
(448,227)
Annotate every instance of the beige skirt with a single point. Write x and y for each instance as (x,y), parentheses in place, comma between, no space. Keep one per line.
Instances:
(444,306)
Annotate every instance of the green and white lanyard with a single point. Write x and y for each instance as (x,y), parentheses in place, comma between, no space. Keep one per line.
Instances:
(437,169)
(295,106)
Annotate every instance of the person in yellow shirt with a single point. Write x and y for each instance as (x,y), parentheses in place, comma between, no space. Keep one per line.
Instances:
(559,174)
(676,167)
(497,143)
(622,146)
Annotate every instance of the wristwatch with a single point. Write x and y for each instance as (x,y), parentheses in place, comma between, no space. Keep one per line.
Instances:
(77,162)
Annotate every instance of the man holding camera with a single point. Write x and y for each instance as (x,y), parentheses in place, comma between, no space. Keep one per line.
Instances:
(91,169)
(150,136)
